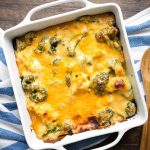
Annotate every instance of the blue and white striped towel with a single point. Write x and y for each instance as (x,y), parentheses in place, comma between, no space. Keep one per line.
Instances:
(11,133)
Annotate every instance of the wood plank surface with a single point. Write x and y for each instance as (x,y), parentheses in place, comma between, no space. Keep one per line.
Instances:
(13,11)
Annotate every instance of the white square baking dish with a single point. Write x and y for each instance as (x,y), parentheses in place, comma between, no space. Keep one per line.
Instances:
(27,25)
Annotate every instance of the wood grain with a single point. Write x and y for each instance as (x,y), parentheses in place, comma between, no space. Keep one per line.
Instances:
(13,11)
(145,69)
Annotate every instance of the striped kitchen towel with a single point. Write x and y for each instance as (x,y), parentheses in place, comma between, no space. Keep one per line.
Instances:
(11,133)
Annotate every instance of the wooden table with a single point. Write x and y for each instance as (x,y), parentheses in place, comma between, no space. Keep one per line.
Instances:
(13,11)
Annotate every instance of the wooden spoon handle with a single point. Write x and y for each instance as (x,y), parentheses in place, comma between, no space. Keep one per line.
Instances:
(145,144)
(145,139)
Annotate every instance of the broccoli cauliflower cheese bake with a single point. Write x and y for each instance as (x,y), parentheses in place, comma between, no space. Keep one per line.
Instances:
(74,77)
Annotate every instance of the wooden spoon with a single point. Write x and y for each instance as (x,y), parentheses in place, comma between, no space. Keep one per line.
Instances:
(145,70)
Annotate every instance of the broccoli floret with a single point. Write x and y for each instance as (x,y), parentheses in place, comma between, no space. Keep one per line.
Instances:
(54,41)
(57,133)
(130,109)
(54,131)
(22,42)
(110,36)
(38,94)
(29,37)
(88,19)
(19,44)
(27,82)
(99,83)
(106,34)
(73,44)
(41,47)
(105,116)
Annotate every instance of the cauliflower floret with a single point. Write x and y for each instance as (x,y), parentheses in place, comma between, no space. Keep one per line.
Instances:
(117,67)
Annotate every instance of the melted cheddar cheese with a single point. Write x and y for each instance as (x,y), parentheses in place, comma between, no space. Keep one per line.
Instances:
(74,80)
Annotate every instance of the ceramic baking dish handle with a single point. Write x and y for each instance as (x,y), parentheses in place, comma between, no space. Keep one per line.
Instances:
(58,2)
(118,138)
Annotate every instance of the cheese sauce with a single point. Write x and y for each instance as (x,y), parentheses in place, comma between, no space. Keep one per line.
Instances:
(76,102)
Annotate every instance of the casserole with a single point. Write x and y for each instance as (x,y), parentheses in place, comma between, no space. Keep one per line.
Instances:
(82,83)
(28,25)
